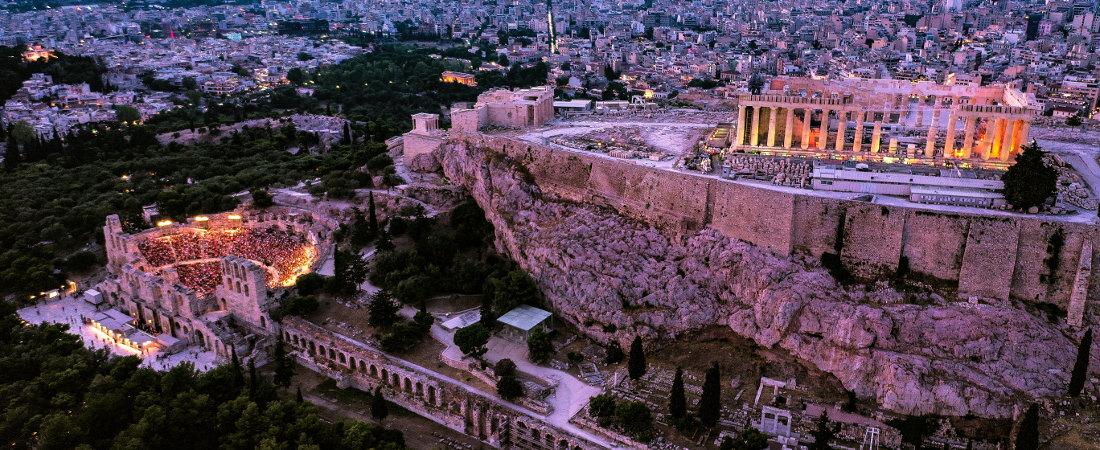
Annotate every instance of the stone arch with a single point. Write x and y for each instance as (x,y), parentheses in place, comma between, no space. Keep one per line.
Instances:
(385,375)
(419,389)
(549,440)
(535,434)
(431,395)
(408,385)
(373,371)
(563,445)
(343,359)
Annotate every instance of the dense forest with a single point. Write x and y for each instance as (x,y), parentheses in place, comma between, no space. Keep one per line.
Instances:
(57,394)
(63,68)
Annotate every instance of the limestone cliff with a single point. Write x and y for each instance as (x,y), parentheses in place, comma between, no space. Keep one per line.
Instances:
(599,267)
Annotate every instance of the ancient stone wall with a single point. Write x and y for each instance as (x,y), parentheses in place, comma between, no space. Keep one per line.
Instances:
(425,392)
(999,257)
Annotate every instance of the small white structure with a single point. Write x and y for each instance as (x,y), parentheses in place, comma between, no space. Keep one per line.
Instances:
(521,321)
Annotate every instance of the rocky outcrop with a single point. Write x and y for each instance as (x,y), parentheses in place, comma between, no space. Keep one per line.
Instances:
(615,277)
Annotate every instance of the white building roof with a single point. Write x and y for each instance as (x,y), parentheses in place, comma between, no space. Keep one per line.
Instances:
(524,317)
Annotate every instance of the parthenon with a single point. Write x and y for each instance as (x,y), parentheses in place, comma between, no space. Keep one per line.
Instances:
(885,121)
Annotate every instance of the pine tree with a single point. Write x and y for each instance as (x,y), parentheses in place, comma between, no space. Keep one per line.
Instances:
(710,403)
(1027,437)
(1030,181)
(677,403)
(284,369)
(372,219)
(824,433)
(1081,366)
(378,407)
(636,364)
(382,309)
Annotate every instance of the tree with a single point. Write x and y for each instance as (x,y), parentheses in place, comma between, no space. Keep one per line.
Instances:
(237,373)
(379,408)
(602,405)
(1030,181)
(677,402)
(636,364)
(508,386)
(514,289)
(296,76)
(1081,366)
(756,84)
(488,314)
(384,242)
(539,346)
(382,309)
(372,215)
(636,420)
(1027,436)
(614,354)
(472,339)
(710,402)
(261,198)
(127,114)
(749,439)
(284,368)
(824,433)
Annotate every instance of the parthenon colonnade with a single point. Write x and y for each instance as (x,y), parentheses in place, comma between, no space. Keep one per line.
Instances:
(907,122)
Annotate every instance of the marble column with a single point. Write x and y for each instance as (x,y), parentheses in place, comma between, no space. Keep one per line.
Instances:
(930,143)
(841,129)
(788,124)
(857,139)
(968,137)
(754,138)
(821,141)
(807,113)
(949,141)
(1012,134)
(876,136)
(999,125)
(772,112)
(740,137)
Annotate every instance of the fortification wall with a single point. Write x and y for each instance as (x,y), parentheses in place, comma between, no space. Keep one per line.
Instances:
(991,256)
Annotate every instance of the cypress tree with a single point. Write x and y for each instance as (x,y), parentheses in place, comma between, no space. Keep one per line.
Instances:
(236,371)
(636,364)
(298,396)
(710,403)
(253,380)
(677,403)
(284,371)
(378,407)
(1027,437)
(1081,366)
(372,215)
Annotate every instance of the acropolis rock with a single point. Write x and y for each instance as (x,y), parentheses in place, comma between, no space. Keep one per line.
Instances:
(913,355)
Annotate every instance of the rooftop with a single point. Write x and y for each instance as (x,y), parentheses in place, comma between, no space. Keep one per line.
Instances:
(524,317)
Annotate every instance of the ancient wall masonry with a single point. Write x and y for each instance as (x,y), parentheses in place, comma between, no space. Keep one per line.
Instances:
(425,392)
(998,257)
